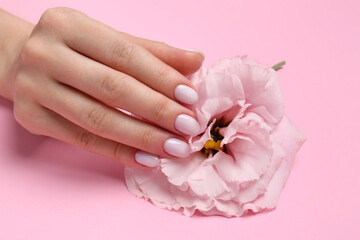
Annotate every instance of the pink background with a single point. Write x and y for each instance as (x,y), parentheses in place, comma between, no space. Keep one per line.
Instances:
(51,190)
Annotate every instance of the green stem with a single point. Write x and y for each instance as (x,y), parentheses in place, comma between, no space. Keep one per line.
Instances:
(279,65)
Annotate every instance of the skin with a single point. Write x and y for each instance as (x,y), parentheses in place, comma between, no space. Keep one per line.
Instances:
(67,74)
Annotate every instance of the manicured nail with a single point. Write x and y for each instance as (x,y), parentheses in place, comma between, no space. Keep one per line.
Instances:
(186,124)
(197,51)
(146,159)
(186,94)
(177,148)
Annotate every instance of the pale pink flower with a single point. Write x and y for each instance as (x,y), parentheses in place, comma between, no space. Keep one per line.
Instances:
(257,144)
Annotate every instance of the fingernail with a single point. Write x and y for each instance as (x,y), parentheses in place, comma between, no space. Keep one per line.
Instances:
(177,147)
(185,94)
(146,159)
(197,51)
(186,124)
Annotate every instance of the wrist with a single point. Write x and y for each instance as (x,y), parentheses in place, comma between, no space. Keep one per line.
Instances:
(15,33)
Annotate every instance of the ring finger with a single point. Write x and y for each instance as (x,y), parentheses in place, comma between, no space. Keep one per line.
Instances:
(108,122)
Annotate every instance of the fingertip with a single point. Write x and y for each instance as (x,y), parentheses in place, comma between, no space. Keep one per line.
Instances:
(191,61)
(196,51)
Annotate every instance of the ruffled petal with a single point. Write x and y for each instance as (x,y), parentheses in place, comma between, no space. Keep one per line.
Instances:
(220,85)
(290,138)
(251,148)
(257,188)
(151,185)
(261,87)
(217,94)
(179,170)
(260,84)
(205,181)
(231,130)
(198,77)
(226,166)
(251,160)
(197,142)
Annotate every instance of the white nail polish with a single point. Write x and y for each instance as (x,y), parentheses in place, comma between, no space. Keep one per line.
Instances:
(146,159)
(185,94)
(197,51)
(177,147)
(186,124)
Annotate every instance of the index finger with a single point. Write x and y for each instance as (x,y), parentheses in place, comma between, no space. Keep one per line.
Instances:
(114,49)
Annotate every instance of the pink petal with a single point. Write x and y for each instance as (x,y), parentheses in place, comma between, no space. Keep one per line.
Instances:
(251,148)
(235,112)
(197,142)
(232,129)
(206,181)
(211,108)
(226,166)
(178,170)
(247,60)
(256,188)
(290,138)
(228,208)
(251,161)
(197,77)
(149,184)
(261,87)
(217,93)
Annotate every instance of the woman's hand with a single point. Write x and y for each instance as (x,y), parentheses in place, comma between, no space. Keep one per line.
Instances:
(73,72)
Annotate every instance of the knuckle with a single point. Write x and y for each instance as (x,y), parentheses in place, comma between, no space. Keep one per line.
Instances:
(53,18)
(164,45)
(96,118)
(20,115)
(114,87)
(163,72)
(22,85)
(85,139)
(156,46)
(25,117)
(159,110)
(30,52)
(36,53)
(122,52)
(148,138)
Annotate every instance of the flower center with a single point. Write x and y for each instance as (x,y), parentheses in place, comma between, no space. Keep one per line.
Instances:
(212,146)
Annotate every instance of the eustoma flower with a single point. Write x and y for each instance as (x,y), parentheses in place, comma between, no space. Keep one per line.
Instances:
(243,155)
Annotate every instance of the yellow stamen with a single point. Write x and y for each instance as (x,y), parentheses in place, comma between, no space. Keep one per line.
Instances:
(211,144)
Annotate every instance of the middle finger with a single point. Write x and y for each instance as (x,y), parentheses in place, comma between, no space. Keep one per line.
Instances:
(120,90)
